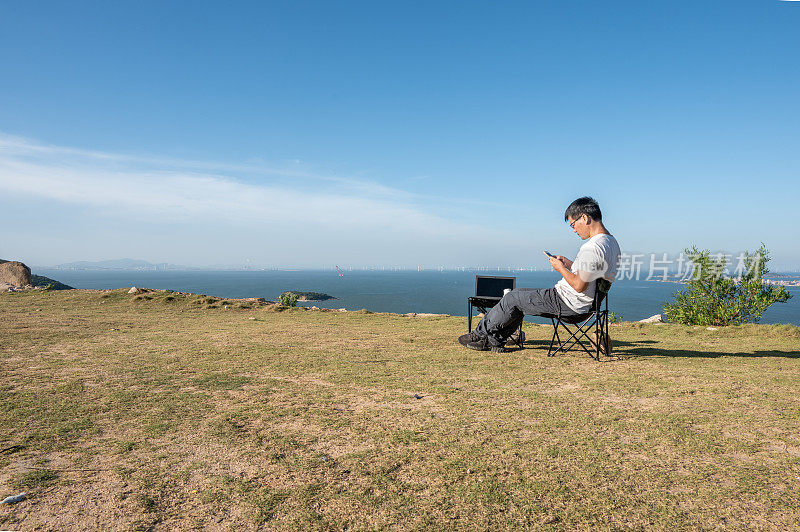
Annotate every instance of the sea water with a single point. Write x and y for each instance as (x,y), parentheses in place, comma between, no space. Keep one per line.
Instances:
(439,292)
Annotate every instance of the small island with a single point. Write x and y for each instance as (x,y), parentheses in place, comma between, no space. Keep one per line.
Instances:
(309,296)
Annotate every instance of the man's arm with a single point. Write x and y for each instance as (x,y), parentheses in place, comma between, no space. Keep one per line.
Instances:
(573,279)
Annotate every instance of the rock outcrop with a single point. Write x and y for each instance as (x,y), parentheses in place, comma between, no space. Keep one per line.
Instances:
(15,274)
(653,319)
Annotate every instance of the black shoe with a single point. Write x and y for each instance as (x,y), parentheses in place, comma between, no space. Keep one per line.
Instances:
(464,339)
(517,338)
(484,345)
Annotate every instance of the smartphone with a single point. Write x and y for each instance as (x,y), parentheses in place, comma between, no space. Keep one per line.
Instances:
(548,254)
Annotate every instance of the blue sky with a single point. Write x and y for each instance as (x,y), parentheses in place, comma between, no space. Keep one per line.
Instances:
(306,134)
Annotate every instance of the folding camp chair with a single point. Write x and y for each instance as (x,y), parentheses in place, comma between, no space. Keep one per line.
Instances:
(488,293)
(596,319)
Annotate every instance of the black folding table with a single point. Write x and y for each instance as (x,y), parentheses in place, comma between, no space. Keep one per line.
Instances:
(488,293)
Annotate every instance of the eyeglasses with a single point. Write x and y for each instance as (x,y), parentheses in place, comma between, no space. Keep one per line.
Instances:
(572,225)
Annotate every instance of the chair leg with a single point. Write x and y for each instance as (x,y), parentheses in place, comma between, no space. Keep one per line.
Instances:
(598,337)
(561,343)
(606,338)
(578,336)
(554,339)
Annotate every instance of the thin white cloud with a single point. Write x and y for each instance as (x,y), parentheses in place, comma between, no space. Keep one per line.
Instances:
(23,148)
(19,148)
(304,205)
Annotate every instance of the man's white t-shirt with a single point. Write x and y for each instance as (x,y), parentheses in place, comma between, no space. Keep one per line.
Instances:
(598,257)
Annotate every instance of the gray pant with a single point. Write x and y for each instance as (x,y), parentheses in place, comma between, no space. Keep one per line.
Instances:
(504,318)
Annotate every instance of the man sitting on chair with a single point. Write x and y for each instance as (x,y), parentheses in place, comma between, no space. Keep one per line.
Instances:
(571,296)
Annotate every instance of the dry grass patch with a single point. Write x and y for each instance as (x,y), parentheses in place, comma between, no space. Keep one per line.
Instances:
(175,412)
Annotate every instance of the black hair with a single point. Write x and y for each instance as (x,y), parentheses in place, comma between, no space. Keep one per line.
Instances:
(584,205)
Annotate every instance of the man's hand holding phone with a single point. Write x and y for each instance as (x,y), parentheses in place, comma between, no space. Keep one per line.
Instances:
(554,261)
(558,262)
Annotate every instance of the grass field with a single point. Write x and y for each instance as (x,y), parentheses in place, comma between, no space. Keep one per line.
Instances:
(173,411)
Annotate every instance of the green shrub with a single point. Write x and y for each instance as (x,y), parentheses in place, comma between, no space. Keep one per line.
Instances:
(288,299)
(710,298)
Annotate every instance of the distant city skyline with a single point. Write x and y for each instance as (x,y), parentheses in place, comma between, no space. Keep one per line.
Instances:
(310,134)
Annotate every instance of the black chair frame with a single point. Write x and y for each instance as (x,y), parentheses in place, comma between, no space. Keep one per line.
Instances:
(596,320)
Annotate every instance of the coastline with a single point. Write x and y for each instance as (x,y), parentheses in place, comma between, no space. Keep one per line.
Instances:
(430,292)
